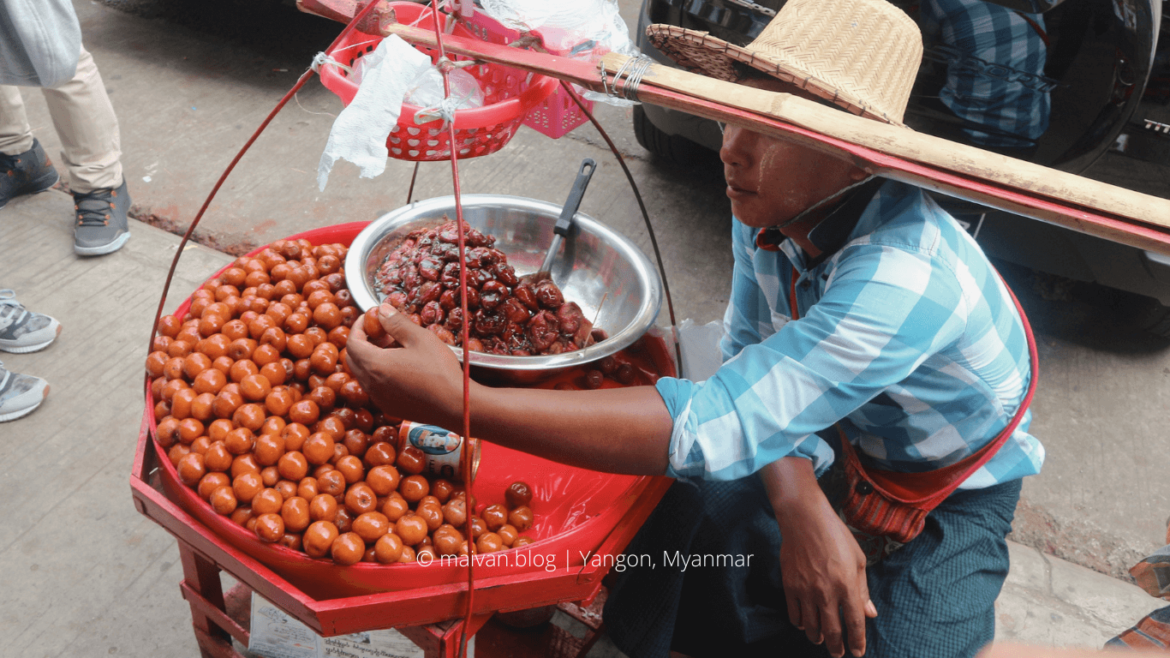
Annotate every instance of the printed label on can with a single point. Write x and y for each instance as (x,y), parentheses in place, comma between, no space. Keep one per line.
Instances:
(431,439)
(441,448)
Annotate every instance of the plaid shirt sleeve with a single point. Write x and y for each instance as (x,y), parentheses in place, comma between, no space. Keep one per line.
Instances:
(995,61)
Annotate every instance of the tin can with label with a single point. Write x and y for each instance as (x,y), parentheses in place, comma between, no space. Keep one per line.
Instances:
(442,449)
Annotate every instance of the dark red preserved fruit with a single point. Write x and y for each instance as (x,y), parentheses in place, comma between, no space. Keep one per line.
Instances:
(421,278)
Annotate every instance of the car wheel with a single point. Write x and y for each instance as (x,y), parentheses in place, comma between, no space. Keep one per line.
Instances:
(671,148)
(1148,314)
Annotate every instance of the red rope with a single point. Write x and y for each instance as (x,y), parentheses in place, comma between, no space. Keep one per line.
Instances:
(468,451)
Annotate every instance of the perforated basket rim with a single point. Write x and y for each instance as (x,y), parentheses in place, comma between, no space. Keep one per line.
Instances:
(509,110)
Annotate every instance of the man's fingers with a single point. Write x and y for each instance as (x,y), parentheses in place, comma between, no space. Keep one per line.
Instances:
(358,332)
(831,629)
(793,609)
(854,612)
(870,609)
(358,344)
(397,325)
(812,622)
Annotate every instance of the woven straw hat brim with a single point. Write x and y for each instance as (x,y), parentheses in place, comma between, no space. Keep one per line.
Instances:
(699,52)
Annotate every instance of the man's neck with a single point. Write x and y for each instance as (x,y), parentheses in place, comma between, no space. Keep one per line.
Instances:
(827,229)
(798,233)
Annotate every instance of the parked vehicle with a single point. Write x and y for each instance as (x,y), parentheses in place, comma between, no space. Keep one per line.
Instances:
(1088,84)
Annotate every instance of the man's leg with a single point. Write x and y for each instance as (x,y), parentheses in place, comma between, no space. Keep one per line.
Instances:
(936,596)
(88,129)
(715,589)
(16,135)
(24,167)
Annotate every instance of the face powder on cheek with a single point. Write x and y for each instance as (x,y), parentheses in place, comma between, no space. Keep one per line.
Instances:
(766,160)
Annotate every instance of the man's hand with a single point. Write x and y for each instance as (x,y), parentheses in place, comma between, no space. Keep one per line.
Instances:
(613,430)
(421,379)
(822,566)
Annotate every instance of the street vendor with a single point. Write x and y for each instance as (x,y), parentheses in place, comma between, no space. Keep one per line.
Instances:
(858,306)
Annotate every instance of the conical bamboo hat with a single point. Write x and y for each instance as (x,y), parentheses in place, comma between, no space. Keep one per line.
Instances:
(862,55)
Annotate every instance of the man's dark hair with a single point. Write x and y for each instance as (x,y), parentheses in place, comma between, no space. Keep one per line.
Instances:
(748,72)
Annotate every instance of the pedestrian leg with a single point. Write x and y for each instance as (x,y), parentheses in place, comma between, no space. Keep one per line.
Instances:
(16,135)
(88,129)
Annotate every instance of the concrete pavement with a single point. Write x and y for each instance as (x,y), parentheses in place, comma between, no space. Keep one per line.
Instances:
(84,574)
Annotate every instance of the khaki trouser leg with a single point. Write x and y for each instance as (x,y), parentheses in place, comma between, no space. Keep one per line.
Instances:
(15,134)
(85,122)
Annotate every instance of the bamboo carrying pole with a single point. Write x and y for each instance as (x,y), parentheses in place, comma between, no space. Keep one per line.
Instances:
(992,179)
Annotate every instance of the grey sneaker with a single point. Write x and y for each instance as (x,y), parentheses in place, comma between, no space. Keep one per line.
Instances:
(26,173)
(21,330)
(20,394)
(101,221)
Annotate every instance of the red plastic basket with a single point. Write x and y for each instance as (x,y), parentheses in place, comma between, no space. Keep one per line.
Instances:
(575,510)
(509,95)
(556,115)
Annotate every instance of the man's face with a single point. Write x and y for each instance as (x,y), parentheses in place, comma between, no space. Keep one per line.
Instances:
(770,181)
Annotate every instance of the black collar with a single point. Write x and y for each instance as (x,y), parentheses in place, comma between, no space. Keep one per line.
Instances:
(834,230)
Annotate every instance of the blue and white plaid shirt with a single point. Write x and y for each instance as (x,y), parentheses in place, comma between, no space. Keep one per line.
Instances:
(995,69)
(906,336)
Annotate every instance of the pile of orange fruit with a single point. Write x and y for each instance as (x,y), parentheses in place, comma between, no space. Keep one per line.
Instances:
(259,414)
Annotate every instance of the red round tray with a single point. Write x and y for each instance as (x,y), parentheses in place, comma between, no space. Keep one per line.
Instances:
(575,510)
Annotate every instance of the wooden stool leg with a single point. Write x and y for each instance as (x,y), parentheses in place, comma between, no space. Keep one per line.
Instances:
(590,639)
(202,576)
(442,640)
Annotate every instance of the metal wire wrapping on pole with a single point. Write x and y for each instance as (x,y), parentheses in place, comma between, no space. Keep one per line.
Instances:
(634,68)
(634,79)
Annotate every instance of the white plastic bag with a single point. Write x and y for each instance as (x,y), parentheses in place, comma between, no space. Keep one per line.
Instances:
(427,90)
(700,349)
(359,133)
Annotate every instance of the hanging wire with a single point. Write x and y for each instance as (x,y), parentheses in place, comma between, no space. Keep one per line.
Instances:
(645,217)
(445,66)
(410,192)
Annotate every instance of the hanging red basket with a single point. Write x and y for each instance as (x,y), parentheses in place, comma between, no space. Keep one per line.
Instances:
(509,95)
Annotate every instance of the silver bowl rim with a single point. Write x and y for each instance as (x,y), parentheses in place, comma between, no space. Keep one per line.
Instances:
(643,320)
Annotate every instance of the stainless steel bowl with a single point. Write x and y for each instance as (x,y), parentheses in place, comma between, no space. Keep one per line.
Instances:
(604,265)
